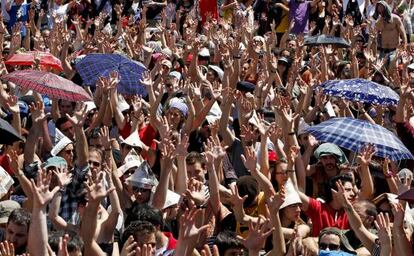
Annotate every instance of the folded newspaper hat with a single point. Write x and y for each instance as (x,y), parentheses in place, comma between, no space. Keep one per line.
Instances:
(61,142)
(132,160)
(143,177)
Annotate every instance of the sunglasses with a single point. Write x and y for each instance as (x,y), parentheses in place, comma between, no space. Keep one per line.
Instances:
(140,190)
(331,247)
(69,151)
(94,163)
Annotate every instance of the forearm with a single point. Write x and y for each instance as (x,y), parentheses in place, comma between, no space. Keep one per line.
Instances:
(58,222)
(162,188)
(82,150)
(264,158)
(87,232)
(367,185)
(108,227)
(31,144)
(401,241)
(264,183)
(181,182)
(16,123)
(278,239)
(366,237)
(38,235)
(213,185)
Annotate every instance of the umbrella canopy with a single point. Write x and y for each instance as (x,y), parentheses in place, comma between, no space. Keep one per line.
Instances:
(353,134)
(326,39)
(27,59)
(361,90)
(8,135)
(93,66)
(47,83)
(407,196)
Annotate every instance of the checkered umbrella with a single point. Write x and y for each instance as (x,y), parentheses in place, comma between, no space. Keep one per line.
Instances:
(93,66)
(353,133)
(49,84)
(27,59)
(361,90)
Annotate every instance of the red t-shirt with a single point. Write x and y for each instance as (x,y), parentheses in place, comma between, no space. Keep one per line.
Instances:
(323,216)
(5,163)
(208,7)
(147,134)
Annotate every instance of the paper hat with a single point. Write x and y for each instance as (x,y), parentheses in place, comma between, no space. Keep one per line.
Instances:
(292,196)
(61,142)
(218,70)
(204,53)
(132,160)
(122,104)
(143,177)
(90,105)
(171,199)
(133,140)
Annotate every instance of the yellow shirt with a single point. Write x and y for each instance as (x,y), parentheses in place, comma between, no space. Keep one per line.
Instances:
(254,211)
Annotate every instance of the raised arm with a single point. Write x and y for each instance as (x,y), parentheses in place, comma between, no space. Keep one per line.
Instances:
(82,151)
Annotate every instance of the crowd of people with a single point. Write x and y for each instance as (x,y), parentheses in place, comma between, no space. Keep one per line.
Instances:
(215,158)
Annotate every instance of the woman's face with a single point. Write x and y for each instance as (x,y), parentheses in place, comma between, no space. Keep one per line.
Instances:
(292,212)
(281,174)
(174,117)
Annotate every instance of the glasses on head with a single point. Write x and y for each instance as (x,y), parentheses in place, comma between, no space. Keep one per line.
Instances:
(331,247)
(140,190)
(94,163)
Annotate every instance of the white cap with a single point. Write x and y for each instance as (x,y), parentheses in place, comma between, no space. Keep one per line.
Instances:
(90,105)
(143,177)
(122,104)
(132,160)
(214,113)
(411,66)
(204,52)
(133,140)
(292,196)
(218,70)
(171,199)
(302,126)
(61,142)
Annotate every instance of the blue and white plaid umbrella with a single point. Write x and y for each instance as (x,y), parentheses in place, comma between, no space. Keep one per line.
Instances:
(361,90)
(353,133)
(93,66)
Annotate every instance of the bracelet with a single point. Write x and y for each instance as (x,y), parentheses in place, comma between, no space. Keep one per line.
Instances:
(291,133)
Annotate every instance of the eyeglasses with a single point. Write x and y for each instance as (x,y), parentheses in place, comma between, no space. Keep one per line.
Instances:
(140,190)
(331,247)
(94,163)
(281,173)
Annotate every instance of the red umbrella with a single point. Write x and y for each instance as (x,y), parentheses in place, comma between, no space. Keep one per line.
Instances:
(47,83)
(27,59)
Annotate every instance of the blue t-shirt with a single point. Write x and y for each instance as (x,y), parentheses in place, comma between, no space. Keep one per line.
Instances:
(19,13)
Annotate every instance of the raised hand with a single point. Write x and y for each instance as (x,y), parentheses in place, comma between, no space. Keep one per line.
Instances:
(293,154)
(129,248)
(96,188)
(196,192)
(182,146)
(40,189)
(235,198)
(37,112)
(188,232)
(63,246)
(277,200)
(12,104)
(63,176)
(399,213)
(146,250)
(6,248)
(383,225)
(104,137)
(207,252)
(249,159)
(79,117)
(366,153)
(257,235)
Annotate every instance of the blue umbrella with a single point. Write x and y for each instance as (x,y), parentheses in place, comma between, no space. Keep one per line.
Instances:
(353,134)
(93,66)
(361,90)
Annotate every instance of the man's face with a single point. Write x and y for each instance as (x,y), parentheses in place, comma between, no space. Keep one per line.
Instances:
(234,252)
(95,161)
(349,191)
(329,163)
(141,195)
(329,242)
(17,234)
(196,171)
(66,107)
(148,239)
(68,130)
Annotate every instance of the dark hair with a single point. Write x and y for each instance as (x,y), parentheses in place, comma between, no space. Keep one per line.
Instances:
(195,157)
(60,121)
(343,178)
(71,102)
(226,240)
(98,151)
(75,242)
(20,217)
(247,185)
(144,212)
(138,228)
(369,207)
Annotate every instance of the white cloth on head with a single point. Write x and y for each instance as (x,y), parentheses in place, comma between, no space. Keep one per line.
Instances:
(61,142)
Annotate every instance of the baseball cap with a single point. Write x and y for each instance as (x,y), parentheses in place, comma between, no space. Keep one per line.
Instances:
(6,208)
